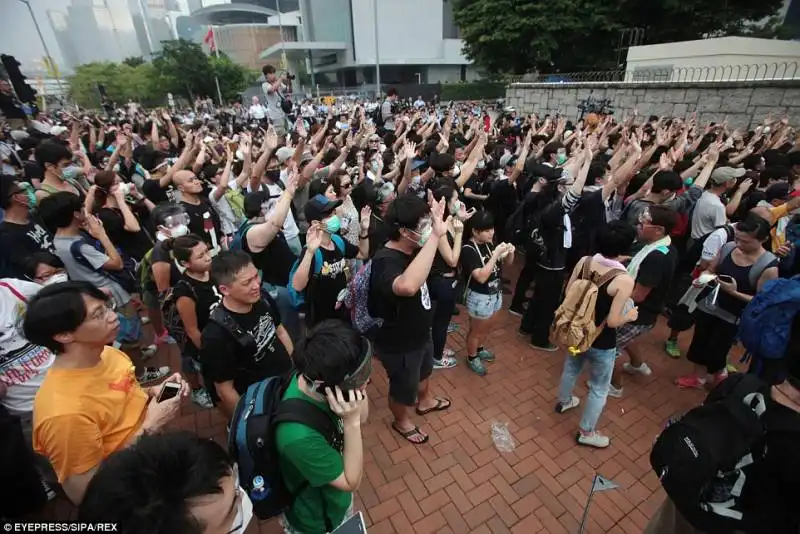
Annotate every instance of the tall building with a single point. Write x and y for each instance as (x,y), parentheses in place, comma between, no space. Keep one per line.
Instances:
(59,23)
(285,5)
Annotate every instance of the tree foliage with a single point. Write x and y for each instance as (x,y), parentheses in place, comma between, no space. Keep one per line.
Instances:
(181,68)
(518,36)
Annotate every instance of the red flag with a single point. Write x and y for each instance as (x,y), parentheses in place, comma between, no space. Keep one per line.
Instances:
(209,39)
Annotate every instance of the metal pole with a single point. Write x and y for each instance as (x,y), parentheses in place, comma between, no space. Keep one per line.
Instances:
(586,509)
(377,53)
(44,45)
(216,52)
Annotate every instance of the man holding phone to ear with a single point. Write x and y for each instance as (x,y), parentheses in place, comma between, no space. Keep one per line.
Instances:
(333,366)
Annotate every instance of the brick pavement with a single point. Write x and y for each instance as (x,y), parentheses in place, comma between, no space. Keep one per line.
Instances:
(459,483)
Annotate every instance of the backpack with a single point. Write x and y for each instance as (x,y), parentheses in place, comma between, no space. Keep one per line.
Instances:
(298,298)
(172,319)
(695,251)
(144,273)
(357,301)
(766,323)
(251,442)
(377,115)
(236,202)
(126,277)
(237,243)
(702,457)
(574,326)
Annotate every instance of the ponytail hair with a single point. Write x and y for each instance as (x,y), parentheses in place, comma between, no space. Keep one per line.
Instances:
(180,248)
(103,181)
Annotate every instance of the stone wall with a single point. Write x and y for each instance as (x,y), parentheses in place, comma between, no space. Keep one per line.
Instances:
(745,104)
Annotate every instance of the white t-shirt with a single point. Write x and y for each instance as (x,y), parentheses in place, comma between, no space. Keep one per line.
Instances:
(274,109)
(713,244)
(22,365)
(709,212)
(290,229)
(258,112)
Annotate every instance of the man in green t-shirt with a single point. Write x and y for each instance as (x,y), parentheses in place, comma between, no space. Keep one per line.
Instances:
(333,367)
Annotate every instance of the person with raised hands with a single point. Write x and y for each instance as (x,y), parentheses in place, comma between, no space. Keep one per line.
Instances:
(399,295)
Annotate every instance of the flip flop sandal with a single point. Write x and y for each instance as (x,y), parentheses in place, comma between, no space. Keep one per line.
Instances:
(441,405)
(409,433)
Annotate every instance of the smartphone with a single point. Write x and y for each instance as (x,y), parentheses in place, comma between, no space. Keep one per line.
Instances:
(725,278)
(168,391)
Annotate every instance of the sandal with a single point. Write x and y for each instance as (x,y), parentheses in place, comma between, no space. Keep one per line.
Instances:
(441,405)
(410,433)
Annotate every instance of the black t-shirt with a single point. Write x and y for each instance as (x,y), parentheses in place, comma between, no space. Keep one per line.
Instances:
(160,254)
(407,320)
(440,267)
(655,272)
(133,244)
(275,261)
(18,241)
(477,187)
(475,256)
(589,216)
(205,297)
(204,222)
(156,194)
(223,359)
(323,287)
(378,234)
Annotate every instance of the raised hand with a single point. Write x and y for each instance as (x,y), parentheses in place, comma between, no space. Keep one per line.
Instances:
(437,215)
(366,214)
(271,138)
(314,236)
(94,226)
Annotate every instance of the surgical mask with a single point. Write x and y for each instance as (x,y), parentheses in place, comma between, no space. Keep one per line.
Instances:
(179,230)
(69,173)
(244,514)
(455,171)
(30,194)
(424,236)
(56,279)
(561,158)
(375,166)
(455,209)
(333,225)
(481,164)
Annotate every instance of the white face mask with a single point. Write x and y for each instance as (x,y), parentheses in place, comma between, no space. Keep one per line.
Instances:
(56,279)
(456,171)
(178,231)
(243,514)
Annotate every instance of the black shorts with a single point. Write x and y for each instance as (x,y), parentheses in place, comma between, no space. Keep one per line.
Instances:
(406,370)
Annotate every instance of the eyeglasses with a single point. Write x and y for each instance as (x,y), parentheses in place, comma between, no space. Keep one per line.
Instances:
(347,185)
(102,313)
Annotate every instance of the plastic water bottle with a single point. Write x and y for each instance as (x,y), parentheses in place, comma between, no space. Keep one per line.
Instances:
(502,437)
(259,492)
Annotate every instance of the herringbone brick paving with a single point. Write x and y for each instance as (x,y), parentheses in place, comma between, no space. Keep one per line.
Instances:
(459,483)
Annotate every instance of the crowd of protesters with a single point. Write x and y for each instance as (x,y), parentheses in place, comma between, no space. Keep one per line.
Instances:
(244,233)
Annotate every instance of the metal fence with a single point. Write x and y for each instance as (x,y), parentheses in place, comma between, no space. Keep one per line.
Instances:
(787,70)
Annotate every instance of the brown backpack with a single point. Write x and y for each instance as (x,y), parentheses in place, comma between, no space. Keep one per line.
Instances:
(574,325)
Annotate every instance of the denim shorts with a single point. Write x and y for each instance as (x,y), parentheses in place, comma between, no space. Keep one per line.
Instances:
(482,306)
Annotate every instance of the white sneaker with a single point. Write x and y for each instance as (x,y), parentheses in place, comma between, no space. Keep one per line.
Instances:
(594,439)
(643,369)
(201,398)
(612,391)
(153,374)
(562,407)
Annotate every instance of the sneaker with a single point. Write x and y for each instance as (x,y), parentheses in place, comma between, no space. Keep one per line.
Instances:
(562,407)
(486,355)
(201,398)
(476,364)
(148,351)
(448,360)
(643,369)
(672,348)
(516,310)
(690,382)
(593,439)
(612,391)
(453,327)
(546,348)
(153,374)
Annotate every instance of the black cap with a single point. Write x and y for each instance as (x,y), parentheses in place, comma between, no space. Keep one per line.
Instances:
(319,206)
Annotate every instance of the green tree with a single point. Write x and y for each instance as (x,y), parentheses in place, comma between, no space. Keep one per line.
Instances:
(233,78)
(518,36)
(184,69)
(133,61)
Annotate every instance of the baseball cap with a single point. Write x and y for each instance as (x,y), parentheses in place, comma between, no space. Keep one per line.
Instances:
(319,206)
(722,175)
(417,163)
(284,153)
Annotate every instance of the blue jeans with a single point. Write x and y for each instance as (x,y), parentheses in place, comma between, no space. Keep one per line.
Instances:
(601,365)
(290,319)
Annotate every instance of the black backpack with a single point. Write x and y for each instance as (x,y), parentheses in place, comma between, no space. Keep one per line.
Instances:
(704,457)
(695,251)
(251,442)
